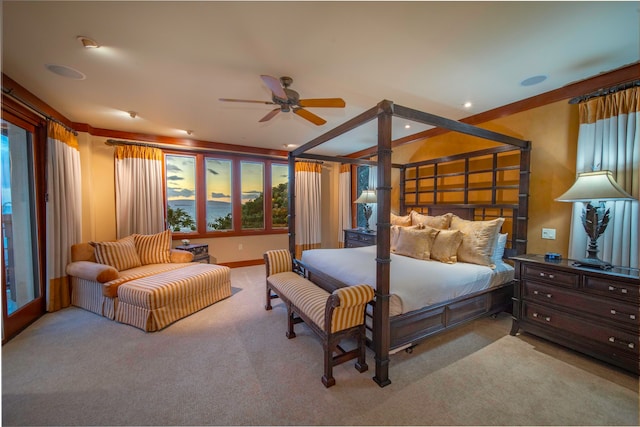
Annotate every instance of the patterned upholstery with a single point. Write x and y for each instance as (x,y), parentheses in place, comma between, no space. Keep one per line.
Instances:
(277,261)
(154,248)
(121,254)
(153,302)
(350,312)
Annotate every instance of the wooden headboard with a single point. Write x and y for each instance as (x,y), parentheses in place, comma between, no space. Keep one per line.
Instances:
(480,185)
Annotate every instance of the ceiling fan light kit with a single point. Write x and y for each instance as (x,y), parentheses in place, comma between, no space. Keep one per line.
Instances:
(289,100)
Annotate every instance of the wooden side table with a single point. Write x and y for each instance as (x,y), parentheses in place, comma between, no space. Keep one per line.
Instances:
(356,238)
(200,252)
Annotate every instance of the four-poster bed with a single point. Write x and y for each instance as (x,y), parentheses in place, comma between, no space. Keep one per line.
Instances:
(427,187)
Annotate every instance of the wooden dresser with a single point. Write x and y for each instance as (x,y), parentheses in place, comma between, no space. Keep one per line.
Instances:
(595,312)
(355,238)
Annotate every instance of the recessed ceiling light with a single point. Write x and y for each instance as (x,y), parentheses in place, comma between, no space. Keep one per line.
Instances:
(289,145)
(467,104)
(407,126)
(189,132)
(87,42)
(132,114)
(64,71)
(534,80)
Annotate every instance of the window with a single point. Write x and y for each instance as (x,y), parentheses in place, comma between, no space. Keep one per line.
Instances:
(219,203)
(362,184)
(211,195)
(181,192)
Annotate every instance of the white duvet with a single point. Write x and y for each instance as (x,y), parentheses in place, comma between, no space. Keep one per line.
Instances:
(413,283)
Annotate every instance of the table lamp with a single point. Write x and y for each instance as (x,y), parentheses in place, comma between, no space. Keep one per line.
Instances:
(599,186)
(367,196)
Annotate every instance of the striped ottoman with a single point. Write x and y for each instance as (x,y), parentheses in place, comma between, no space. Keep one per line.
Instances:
(153,302)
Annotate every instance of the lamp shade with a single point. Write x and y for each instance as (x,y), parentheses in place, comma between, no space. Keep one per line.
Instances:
(598,186)
(367,196)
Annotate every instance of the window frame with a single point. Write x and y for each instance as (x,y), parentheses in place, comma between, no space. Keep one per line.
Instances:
(236,190)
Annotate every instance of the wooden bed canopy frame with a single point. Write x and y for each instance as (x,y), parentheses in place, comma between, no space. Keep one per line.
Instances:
(409,328)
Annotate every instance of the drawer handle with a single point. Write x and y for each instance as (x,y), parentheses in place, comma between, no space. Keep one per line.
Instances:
(631,316)
(624,343)
(613,289)
(546,318)
(550,276)
(538,293)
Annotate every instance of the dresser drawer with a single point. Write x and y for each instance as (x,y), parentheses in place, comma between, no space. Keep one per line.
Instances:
(557,277)
(354,239)
(611,309)
(614,339)
(612,288)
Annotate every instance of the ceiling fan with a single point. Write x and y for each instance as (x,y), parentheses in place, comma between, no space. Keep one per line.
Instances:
(289,100)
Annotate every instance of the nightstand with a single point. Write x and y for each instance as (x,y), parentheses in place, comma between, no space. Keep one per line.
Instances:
(200,252)
(593,311)
(356,238)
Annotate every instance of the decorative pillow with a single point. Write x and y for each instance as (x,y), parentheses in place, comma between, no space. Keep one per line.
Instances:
(498,251)
(445,246)
(403,221)
(479,239)
(121,254)
(154,248)
(440,222)
(414,242)
(395,232)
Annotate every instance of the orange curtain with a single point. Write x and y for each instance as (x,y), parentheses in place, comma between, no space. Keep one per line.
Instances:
(308,200)
(139,191)
(64,211)
(608,140)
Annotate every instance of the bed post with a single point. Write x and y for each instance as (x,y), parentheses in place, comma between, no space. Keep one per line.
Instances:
(381,324)
(292,205)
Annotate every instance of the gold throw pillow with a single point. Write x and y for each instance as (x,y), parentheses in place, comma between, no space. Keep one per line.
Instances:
(440,222)
(445,246)
(478,241)
(415,242)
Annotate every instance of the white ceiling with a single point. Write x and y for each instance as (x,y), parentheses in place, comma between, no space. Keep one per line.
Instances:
(171,61)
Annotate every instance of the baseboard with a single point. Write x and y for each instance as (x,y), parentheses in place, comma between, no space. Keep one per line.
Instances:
(247,263)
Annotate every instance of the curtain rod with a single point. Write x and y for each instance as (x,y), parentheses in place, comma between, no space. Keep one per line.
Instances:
(42,114)
(114,142)
(605,91)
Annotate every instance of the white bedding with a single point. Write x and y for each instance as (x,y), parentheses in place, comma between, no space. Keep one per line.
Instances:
(414,283)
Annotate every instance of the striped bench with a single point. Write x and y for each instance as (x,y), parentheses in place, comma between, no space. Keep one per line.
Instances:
(153,302)
(332,316)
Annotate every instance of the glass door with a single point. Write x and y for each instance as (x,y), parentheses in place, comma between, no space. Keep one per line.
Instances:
(22,298)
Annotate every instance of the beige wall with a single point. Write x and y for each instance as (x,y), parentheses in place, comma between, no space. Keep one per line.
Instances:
(553,132)
(99,208)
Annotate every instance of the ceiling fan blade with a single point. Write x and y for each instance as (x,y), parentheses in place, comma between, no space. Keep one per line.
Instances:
(309,116)
(323,102)
(274,85)
(245,100)
(270,115)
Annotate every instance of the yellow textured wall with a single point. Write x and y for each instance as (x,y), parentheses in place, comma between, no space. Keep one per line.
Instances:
(99,208)
(553,132)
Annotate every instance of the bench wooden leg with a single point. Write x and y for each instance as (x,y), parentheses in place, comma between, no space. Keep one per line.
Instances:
(267,305)
(291,322)
(361,364)
(327,378)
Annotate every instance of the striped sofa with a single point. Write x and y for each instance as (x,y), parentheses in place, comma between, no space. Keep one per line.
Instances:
(332,316)
(149,292)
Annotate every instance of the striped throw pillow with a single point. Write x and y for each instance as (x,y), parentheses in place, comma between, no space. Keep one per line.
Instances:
(154,248)
(121,254)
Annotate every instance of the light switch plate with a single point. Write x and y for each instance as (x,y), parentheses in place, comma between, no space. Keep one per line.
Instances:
(549,233)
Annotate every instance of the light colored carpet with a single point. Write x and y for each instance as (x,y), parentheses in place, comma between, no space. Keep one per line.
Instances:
(231,364)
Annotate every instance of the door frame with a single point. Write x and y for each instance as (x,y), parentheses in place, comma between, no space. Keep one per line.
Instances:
(18,115)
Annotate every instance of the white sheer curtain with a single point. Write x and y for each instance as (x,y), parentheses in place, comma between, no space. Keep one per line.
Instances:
(608,140)
(344,202)
(373,183)
(64,211)
(308,199)
(139,195)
